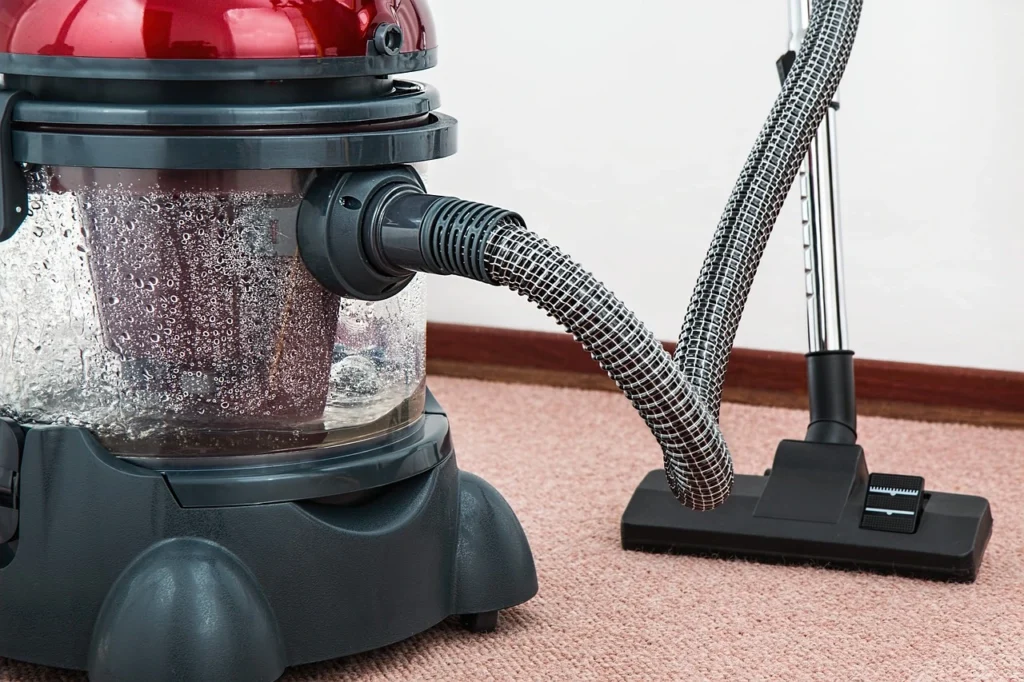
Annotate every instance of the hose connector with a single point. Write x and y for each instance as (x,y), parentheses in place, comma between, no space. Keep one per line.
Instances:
(330,232)
(368,233)
(439,235)
(365,235)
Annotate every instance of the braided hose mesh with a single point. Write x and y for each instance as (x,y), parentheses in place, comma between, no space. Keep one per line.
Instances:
(720,296)
(697,460)
(679,398)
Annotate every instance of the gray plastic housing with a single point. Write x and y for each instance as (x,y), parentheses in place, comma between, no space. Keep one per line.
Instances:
(110,573)
(434,139)
(330,232)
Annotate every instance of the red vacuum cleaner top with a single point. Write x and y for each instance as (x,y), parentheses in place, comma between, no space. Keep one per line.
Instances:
(209,29)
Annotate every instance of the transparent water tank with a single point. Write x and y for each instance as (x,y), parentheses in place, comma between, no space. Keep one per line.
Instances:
(170,313)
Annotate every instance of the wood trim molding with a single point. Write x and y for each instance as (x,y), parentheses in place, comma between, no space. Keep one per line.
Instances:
(894,389)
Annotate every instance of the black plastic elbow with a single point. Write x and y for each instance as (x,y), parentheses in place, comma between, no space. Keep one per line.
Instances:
(365,235)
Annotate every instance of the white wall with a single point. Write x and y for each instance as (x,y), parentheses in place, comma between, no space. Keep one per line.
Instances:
(618,133)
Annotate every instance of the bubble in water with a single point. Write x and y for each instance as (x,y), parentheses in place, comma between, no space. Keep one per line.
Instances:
(356,376)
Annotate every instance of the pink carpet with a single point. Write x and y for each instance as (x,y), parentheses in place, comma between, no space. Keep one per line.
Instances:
(568,461)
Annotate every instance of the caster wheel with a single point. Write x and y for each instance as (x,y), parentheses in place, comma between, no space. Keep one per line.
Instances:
(480,622)
(767,472)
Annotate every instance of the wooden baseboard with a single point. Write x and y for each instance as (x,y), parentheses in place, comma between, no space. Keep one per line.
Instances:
(890,389)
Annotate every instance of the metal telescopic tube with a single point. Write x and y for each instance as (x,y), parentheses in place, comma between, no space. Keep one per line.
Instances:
(823,244)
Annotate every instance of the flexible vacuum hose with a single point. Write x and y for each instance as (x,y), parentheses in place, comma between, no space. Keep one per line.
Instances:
(720,296)
(679,398)
(697,460)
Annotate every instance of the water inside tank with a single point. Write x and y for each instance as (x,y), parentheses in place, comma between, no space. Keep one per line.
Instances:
(169,313)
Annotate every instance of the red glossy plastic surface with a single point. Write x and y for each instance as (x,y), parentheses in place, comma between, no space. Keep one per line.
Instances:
(208,29)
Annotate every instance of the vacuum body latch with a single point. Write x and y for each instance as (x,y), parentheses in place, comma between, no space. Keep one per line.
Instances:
(13,190)
(10,469)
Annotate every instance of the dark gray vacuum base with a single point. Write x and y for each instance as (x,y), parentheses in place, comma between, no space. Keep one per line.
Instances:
(111,574)
(812,515)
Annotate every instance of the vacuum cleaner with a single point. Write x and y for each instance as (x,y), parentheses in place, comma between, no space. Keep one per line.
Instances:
(218,453)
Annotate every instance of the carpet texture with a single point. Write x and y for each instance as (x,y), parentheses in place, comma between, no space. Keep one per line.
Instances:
(568,462)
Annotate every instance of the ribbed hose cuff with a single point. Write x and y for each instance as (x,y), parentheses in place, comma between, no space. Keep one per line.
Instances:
(457,233)
(439,235)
